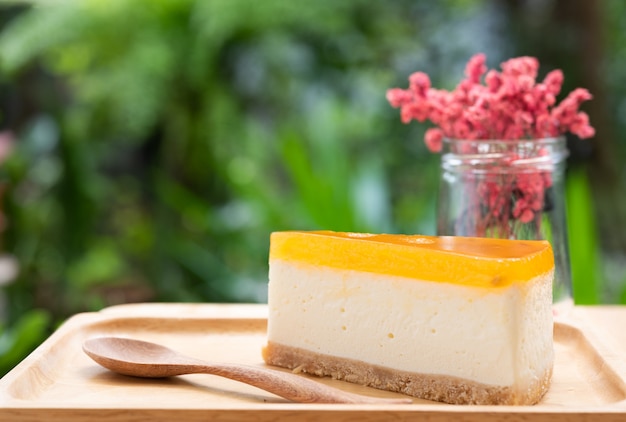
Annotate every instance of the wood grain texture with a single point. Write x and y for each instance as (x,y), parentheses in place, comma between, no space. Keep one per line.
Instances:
(58,382)
(150,360)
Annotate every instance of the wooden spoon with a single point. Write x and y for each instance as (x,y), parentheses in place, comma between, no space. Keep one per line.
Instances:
(143,359)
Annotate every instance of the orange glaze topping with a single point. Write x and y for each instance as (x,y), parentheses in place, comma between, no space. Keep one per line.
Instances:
(469,261)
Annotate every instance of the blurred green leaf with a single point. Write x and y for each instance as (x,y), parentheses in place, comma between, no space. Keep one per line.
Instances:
(583,239)
(22,337)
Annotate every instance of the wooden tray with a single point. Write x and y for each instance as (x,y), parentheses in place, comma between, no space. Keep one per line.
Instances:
(58,382)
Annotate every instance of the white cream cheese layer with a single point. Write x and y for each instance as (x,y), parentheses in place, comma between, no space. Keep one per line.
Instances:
(494,336)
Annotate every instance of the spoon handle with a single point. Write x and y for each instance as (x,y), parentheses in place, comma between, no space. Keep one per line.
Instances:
(291,386)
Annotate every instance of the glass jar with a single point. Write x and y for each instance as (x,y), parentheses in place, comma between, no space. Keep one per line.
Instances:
(510,189)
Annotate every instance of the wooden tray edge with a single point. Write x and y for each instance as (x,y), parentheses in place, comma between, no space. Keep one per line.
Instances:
(12,409)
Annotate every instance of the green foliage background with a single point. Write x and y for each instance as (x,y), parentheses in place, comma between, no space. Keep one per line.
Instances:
(158,143)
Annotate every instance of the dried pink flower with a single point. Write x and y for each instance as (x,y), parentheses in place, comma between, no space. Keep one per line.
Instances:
(553,81)
(476,68)
(434,139)
(398,97)
(420,84)
(510,105)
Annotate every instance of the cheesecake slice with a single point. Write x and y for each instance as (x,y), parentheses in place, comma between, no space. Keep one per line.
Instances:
(452,319)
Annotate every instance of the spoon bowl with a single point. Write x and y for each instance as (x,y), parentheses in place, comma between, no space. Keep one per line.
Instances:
(149,360)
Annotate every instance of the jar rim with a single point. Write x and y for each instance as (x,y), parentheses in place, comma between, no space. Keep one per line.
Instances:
(539,141)
(489,156)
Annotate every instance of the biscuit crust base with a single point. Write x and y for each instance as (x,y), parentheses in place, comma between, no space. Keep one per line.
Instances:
(439,388)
